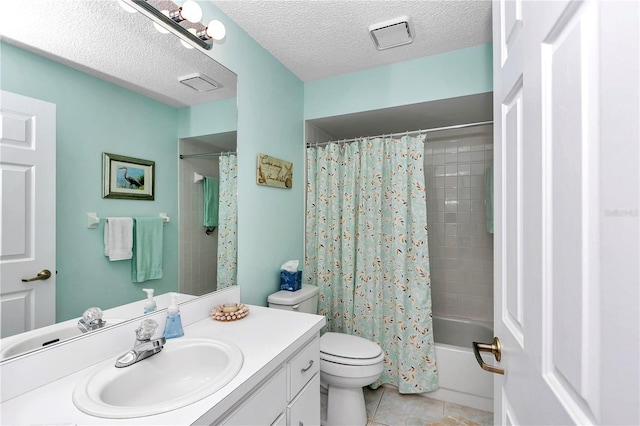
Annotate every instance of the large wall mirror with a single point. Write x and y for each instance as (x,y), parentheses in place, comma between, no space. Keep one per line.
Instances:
(115,81)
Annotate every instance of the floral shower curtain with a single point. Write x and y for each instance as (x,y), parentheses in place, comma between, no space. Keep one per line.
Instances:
(228,222)
(366,249)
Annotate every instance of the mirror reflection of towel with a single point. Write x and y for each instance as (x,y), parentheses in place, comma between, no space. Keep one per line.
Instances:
(146,263)
(211,191)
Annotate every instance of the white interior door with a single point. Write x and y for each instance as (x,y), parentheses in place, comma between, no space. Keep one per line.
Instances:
(27,213)
(566,110)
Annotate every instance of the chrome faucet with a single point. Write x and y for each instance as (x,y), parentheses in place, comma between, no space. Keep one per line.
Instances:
(91,320)
(144,346)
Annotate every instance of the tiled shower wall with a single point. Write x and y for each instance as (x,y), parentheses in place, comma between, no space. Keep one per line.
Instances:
(314,134)
(460,248)
(198,251)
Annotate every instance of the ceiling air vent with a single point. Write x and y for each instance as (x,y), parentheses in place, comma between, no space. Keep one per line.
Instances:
(199,82)
(392,33)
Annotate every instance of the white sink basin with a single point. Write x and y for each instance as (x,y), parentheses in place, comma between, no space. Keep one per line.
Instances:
(185,371)
(42,337)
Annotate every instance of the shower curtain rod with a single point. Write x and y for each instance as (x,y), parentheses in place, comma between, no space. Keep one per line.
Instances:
(415,132)
(207,154)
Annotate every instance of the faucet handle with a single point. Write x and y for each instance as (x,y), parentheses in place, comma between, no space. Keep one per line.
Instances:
(91,320)
(146,330)
(92,315)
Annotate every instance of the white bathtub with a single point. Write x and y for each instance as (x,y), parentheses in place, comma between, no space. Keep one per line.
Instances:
(462,381)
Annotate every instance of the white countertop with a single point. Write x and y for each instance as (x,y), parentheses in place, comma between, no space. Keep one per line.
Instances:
(267,337)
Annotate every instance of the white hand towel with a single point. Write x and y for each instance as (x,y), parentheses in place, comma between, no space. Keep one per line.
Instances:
(118,238)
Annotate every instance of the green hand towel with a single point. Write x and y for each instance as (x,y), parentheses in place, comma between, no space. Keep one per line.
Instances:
(146,263)
(488,198)
(211,193)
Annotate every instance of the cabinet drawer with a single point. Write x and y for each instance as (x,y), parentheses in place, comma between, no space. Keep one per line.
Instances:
(303,366)
(305,409)
(264,406)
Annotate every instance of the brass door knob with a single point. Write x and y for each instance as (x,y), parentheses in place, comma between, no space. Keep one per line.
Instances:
(493,347)
(45,274)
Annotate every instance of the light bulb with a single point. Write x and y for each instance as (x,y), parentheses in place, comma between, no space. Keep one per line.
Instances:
(216,30)
(159,27)
(126,7)
(191,11)
(184,43)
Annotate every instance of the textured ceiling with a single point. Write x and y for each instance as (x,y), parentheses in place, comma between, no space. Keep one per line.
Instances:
(322,38)
(313,38)
(98,37)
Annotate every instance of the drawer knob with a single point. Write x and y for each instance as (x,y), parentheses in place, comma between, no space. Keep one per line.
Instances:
(304,370)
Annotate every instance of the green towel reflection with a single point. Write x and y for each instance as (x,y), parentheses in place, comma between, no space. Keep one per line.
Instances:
(211,192)
(146,263)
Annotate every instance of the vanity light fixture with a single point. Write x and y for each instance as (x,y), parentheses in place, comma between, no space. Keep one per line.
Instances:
(170,21)
(184,43)
(160,28)
(189,11)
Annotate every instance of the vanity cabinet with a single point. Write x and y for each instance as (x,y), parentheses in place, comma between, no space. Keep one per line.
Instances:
(264,405)
(304,410)
(290,396)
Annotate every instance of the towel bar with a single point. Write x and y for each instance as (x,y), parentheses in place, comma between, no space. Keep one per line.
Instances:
(93,219)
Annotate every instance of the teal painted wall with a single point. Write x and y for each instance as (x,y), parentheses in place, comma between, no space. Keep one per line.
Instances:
(93,117)
(270,121)
(447,75)
(214,117)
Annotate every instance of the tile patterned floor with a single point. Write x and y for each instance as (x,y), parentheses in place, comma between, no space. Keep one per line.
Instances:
(386,407)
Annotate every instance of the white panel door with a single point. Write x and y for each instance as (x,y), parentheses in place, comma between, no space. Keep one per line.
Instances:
(27,213)
(567,186)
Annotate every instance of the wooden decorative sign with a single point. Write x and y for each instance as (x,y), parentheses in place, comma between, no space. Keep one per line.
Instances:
(272,171)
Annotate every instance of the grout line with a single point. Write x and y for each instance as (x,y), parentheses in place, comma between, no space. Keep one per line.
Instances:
(375,411)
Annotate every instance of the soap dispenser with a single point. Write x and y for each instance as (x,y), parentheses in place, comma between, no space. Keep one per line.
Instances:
(150,304)
(173,326)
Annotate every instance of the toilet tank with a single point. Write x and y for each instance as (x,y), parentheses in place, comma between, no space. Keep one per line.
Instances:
(303,300)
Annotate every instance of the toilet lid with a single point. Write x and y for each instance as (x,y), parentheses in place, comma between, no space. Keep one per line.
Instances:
(290,298)
(348,346)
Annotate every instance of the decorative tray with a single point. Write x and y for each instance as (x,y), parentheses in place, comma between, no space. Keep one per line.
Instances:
(229,312)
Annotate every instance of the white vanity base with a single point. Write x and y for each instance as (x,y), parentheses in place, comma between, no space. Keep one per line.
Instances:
(274,347)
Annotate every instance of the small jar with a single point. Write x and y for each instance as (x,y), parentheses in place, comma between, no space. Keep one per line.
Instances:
(229,308)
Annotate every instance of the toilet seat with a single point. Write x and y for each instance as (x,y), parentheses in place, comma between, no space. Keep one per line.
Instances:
(351,361)
(346,349)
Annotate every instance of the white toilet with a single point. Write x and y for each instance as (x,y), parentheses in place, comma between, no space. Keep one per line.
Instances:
(347,363)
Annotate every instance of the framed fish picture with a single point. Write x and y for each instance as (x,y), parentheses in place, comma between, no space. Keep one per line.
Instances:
(127,177)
